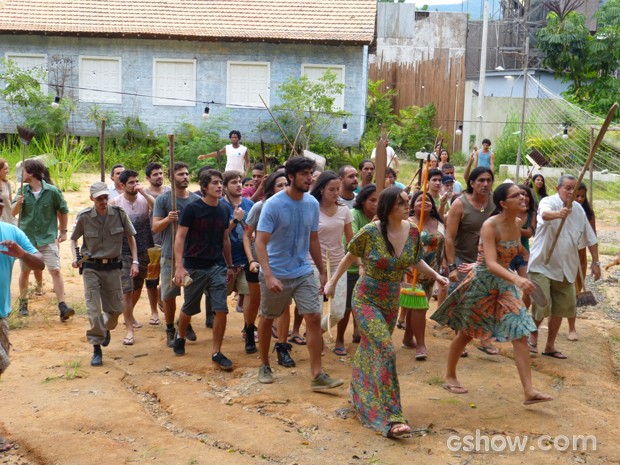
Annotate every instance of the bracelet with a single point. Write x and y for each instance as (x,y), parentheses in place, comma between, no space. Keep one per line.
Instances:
(451,267)
(231,267)
(596,263)
(135,262)
(254,261)
(235,221)
(63,231)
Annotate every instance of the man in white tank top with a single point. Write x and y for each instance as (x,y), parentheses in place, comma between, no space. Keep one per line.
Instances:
(237,156)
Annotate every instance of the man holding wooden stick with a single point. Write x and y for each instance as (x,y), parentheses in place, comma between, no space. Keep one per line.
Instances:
(557,277)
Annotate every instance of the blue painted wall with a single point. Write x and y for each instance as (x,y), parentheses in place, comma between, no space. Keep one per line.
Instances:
(211,58)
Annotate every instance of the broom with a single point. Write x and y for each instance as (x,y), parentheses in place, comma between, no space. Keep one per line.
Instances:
(413,297)
(585,298)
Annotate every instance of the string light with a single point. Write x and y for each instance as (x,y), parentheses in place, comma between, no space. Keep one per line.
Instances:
(56,102)
(459,130)
(345,128)
(565,132)
(205,115)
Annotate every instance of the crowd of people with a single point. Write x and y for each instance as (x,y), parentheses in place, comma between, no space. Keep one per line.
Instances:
(271,238)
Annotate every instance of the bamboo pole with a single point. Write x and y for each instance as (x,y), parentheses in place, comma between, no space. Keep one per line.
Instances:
(102,150)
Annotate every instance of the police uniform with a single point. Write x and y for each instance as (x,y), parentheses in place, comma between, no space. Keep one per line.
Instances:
(103,239)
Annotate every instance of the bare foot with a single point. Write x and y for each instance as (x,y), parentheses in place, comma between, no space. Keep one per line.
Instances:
(536,397)
(572,336)
(399,430)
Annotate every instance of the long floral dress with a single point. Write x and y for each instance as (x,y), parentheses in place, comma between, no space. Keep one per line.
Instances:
(487,306)
(374,390)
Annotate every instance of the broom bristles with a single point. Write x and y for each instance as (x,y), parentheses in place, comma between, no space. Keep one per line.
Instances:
(25,134)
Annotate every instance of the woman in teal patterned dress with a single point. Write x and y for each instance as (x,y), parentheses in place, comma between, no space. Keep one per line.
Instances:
(387,247)
(487,304)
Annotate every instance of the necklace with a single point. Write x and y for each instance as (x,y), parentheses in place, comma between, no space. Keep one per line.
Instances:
(481,208)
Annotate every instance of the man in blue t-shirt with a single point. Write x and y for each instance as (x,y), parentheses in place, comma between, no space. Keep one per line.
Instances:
(238,208)
(13,244)
(287,230)
(203,242)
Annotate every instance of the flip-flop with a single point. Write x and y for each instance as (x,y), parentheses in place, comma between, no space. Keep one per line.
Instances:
(489,350)
(6,446)
(340,351)
(154,321)
(536,401)
(400,324)
(454,389)
(128,341)
(300,341)
(555,354)
(421,356)
(533,347)
(136,325)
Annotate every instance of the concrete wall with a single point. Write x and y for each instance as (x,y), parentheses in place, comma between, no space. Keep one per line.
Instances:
(211,58)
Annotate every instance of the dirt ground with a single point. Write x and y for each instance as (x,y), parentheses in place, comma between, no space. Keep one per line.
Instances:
(147,406)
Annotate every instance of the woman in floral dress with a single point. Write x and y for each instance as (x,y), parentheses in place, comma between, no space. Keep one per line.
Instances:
(387,247)
(433,237)
(487,304)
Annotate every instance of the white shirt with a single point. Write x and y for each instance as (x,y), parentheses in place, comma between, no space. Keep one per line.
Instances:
(391,158)
(235,158)
(576,234)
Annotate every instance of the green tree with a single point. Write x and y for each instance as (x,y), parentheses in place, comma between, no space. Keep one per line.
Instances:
(28,105)
(310,104)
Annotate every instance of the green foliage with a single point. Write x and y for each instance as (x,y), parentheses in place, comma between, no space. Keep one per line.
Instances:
(379,110)
(27,104)
(67,158)
(415,129)
(310,104)
(588,61)
(506,146)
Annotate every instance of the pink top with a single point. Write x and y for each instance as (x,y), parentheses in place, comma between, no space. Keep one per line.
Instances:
(331,232)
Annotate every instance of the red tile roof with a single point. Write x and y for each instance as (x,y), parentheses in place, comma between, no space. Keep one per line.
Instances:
(322,21)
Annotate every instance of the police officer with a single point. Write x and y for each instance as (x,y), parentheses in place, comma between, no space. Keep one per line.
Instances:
(103,228)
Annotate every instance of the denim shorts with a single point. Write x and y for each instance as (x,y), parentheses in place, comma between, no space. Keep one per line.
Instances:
(304,290)
(211,279)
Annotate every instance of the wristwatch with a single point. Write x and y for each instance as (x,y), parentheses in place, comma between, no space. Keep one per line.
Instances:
(451,267)
(596,263)
(236,221)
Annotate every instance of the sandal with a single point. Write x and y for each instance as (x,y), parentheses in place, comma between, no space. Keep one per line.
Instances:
(297,339)
(154,320)
(340,351)
(400,324)
(136,325)
(128,341)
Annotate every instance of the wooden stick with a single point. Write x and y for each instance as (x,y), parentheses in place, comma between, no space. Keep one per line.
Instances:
(295,143)
(597,142)
(21,187)
(173,193)
(421,225)
(329,298)
(380,161)
(278,124)
(102,150)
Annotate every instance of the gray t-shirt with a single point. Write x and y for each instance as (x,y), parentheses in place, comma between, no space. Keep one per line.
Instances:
(252,220)
(157,237)
(163,205)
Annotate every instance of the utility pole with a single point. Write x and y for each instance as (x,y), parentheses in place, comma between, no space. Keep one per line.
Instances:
(483,70)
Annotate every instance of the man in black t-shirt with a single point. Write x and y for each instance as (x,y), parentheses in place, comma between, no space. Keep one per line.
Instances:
(203,241)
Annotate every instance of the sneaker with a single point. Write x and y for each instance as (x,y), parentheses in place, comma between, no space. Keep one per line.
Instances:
(284,359)
(22,307)
(323,382)
(97,359)
(169,337)
(265,375)
(179,346)
(38,289)
(250,343)
(223,362)
(106,340)
(190,335)
(65,311)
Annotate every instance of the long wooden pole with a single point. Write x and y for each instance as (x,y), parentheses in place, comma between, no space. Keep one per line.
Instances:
(278,124)
(173,193)
(380,161)
(597,142)
(295,143)
(102,150)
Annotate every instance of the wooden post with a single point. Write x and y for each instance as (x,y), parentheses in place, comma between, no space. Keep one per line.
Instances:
(102,150)
(380,161)
(173,193)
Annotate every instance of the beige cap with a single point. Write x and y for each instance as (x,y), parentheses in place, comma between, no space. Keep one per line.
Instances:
(98,189)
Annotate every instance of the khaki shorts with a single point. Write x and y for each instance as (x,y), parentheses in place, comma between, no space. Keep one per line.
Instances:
(238,283)
(50,257)
(561,301)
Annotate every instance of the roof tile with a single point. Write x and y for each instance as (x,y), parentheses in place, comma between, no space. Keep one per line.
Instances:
(331,21)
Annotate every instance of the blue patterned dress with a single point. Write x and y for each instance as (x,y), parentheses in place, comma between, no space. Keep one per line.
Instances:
(487,306)
(374,390)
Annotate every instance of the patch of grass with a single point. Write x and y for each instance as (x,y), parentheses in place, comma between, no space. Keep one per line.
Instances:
(80,308)
(15,321)
(451,401)
(608,249)
(192,461)
(72,369)
(435,381)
